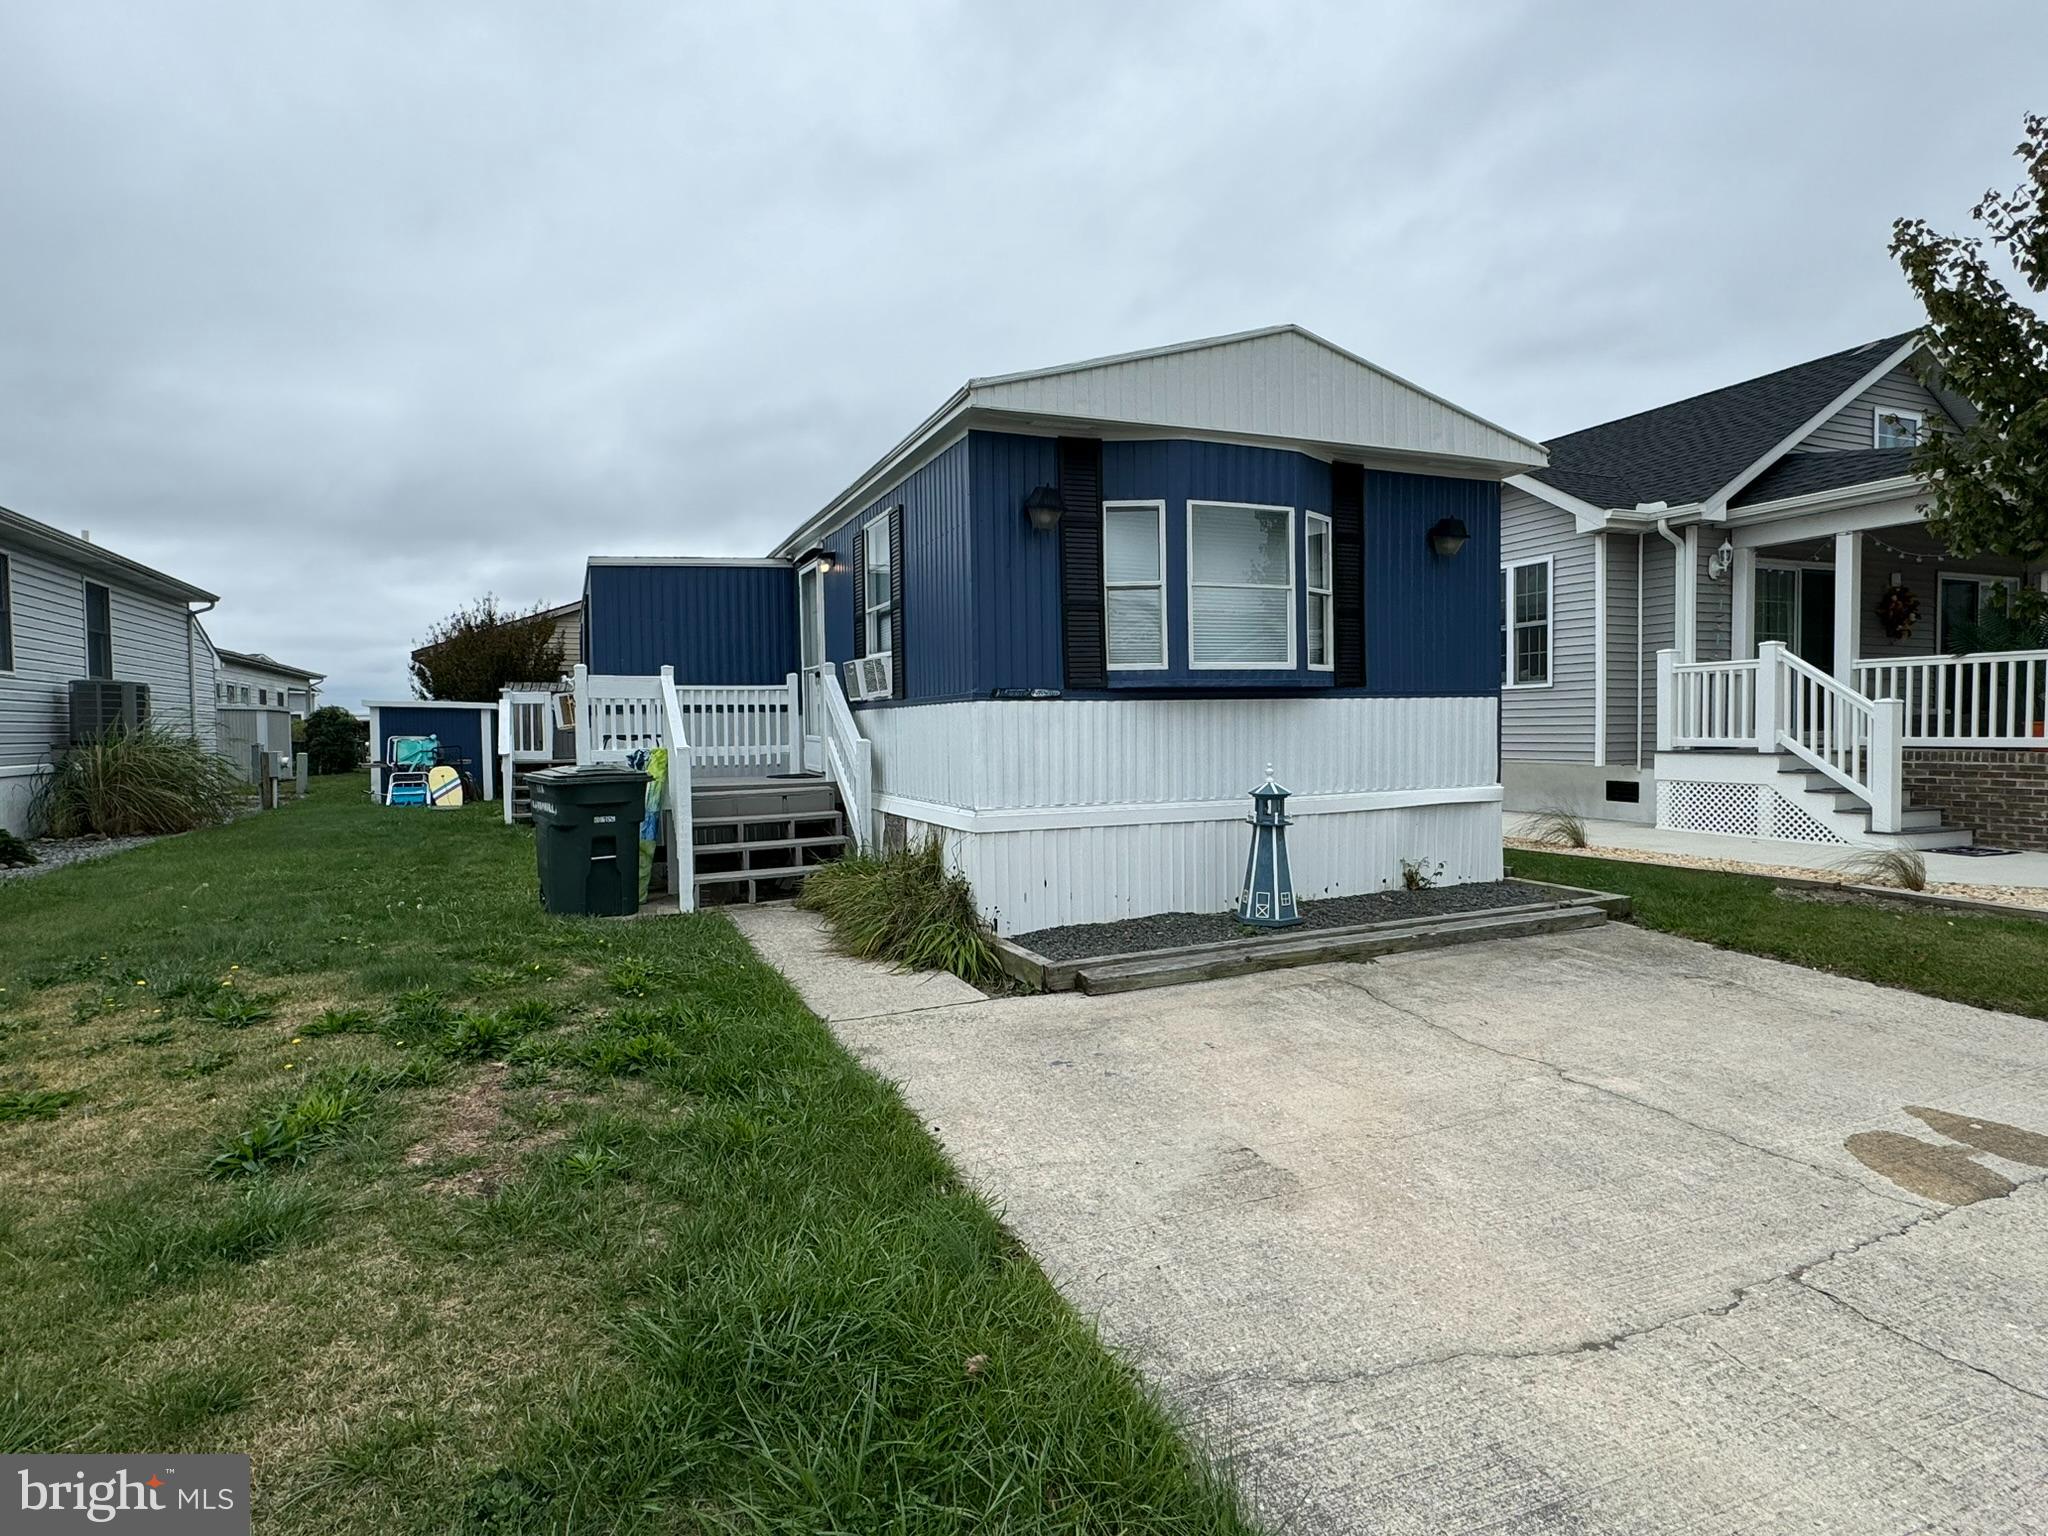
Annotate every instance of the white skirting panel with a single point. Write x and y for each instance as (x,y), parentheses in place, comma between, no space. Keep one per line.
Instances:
(1041,879)
(1071,811)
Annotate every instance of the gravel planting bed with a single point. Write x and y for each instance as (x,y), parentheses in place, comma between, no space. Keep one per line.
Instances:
(1178,930)
(54,853)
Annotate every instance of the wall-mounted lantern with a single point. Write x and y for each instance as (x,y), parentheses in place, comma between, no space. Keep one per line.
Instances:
(1448,537)
(1043,507)
(1267,900)
(816,553)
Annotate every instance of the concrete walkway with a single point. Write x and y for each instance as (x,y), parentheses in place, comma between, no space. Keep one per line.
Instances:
(2011,869)
(1601,1232)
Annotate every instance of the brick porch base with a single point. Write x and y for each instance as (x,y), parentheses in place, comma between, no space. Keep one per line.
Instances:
(2002,794)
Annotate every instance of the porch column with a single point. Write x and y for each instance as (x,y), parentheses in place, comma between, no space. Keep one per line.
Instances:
(1742,606)
(1848,605)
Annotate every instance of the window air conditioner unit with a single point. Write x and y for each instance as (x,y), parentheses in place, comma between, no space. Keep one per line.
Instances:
(869,677)
(100,708)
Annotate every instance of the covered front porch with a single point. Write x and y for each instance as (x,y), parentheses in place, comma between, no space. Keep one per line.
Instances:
(1854,701)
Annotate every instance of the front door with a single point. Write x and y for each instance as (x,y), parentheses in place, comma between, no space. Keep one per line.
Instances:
(1795,605)
(810,596)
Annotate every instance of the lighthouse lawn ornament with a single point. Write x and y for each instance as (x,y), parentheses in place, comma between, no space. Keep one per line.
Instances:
(1267,900)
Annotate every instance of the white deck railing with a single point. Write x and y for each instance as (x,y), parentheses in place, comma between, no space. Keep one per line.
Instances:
(1779,703)
(745,727)
(849,756)
(525,736)
(1998,699)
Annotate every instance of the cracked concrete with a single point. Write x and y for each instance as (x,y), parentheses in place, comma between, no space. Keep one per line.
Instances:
(1555,1234)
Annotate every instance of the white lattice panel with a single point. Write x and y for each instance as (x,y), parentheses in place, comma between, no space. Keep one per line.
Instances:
(1733,809)
(1792,822)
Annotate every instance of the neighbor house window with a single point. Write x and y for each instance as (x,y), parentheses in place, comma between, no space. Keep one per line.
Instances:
(1964,602)
(1134,583)
(1317,576)
(99,631)
(881,631)
(1897,429)
(1240,585)
(6,615)
(245,693)
(1525,624)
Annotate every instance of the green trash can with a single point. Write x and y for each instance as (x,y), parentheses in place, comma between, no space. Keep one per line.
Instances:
(586,825)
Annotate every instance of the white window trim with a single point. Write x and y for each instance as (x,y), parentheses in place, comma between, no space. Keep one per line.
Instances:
(867,610)
(1293,586)
(1325,594)
(1878,414)
(1158,511)
(7,611)
(1507,619)
(1982,580)
(85,586)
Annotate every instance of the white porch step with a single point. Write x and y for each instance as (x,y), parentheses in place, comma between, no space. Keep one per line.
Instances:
(751,833)
(1779,797)
(1920,826)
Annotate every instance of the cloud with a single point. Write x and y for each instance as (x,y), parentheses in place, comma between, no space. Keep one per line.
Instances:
(353,313)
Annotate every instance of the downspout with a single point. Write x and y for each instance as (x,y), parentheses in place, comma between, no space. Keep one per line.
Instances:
(1639,649)
(1680,643)
(192,616)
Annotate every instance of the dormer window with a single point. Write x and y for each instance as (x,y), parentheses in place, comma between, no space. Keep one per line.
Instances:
(1897,429)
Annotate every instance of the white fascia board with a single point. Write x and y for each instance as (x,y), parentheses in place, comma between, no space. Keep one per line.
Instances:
(938,432)
(428,704)
(1715,508)
(1587,517)
(703,560)
(1824,519)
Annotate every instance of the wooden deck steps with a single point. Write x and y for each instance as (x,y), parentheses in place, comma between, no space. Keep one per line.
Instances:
(757,839)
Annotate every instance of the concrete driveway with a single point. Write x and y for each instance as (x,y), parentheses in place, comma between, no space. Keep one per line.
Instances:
(1601,1232)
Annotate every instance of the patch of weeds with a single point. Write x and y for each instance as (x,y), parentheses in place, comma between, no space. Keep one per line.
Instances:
(162,1036)
(96,1005)
(14,853)
(615,1053)
(233,1008)
(1419,875)
(481,1037)
(288,1136)
(343,1021)
(187,989)
(1902,867)
(181,1402)
(205,1064)
(531,1013)
(638,977)
(390,1448)
(595,1165)
(143,1241)
(33,1104)
(1556,827)
(491,978)
(418,1012)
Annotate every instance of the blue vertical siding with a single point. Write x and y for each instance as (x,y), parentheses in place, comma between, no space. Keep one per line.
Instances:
(717,625)
(466,733)
(1432,625)
(940,585)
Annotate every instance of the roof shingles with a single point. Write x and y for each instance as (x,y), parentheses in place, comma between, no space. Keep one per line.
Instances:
(1686,451)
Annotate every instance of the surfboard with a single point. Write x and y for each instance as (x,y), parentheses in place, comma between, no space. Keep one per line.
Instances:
(444,788)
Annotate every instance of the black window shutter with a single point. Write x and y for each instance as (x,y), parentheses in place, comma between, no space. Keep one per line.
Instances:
(897,652)
(860,590)
(1083,642)
(1347,575)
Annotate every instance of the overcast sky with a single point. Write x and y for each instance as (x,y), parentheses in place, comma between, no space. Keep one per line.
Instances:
(353,312)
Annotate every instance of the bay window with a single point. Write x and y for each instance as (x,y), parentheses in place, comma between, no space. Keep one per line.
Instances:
(1240,586)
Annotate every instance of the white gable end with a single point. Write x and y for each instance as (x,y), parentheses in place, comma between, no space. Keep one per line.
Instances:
(1284,384)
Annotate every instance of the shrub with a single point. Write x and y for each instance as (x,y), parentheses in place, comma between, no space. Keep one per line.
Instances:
(14,853)
(135,784)
(906,907)
(1556,827)
(334,741)
(1887,866)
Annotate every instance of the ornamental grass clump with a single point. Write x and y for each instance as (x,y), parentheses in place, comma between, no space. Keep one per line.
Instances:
(906,907)
(138,783)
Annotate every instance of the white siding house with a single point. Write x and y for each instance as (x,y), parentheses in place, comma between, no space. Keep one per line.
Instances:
(250,679)
(70,609)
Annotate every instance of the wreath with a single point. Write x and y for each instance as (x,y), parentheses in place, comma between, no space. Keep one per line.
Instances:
(1898,610)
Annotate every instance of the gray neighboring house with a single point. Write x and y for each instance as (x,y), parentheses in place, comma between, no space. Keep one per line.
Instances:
(1782,511)
(262,682)
(70,609)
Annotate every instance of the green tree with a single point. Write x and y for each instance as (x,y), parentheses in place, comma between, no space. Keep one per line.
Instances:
(1988,482)
(477,651)
(335,741)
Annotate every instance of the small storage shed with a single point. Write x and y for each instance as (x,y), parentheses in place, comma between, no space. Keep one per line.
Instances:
(468,734)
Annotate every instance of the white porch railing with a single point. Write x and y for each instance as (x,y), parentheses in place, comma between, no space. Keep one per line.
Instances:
(1779,703)
(1997,699)
(745,727)
(849,756)
(525,736)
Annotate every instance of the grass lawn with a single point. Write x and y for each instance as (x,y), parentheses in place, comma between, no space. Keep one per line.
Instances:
(320,1142)
(1994,962)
